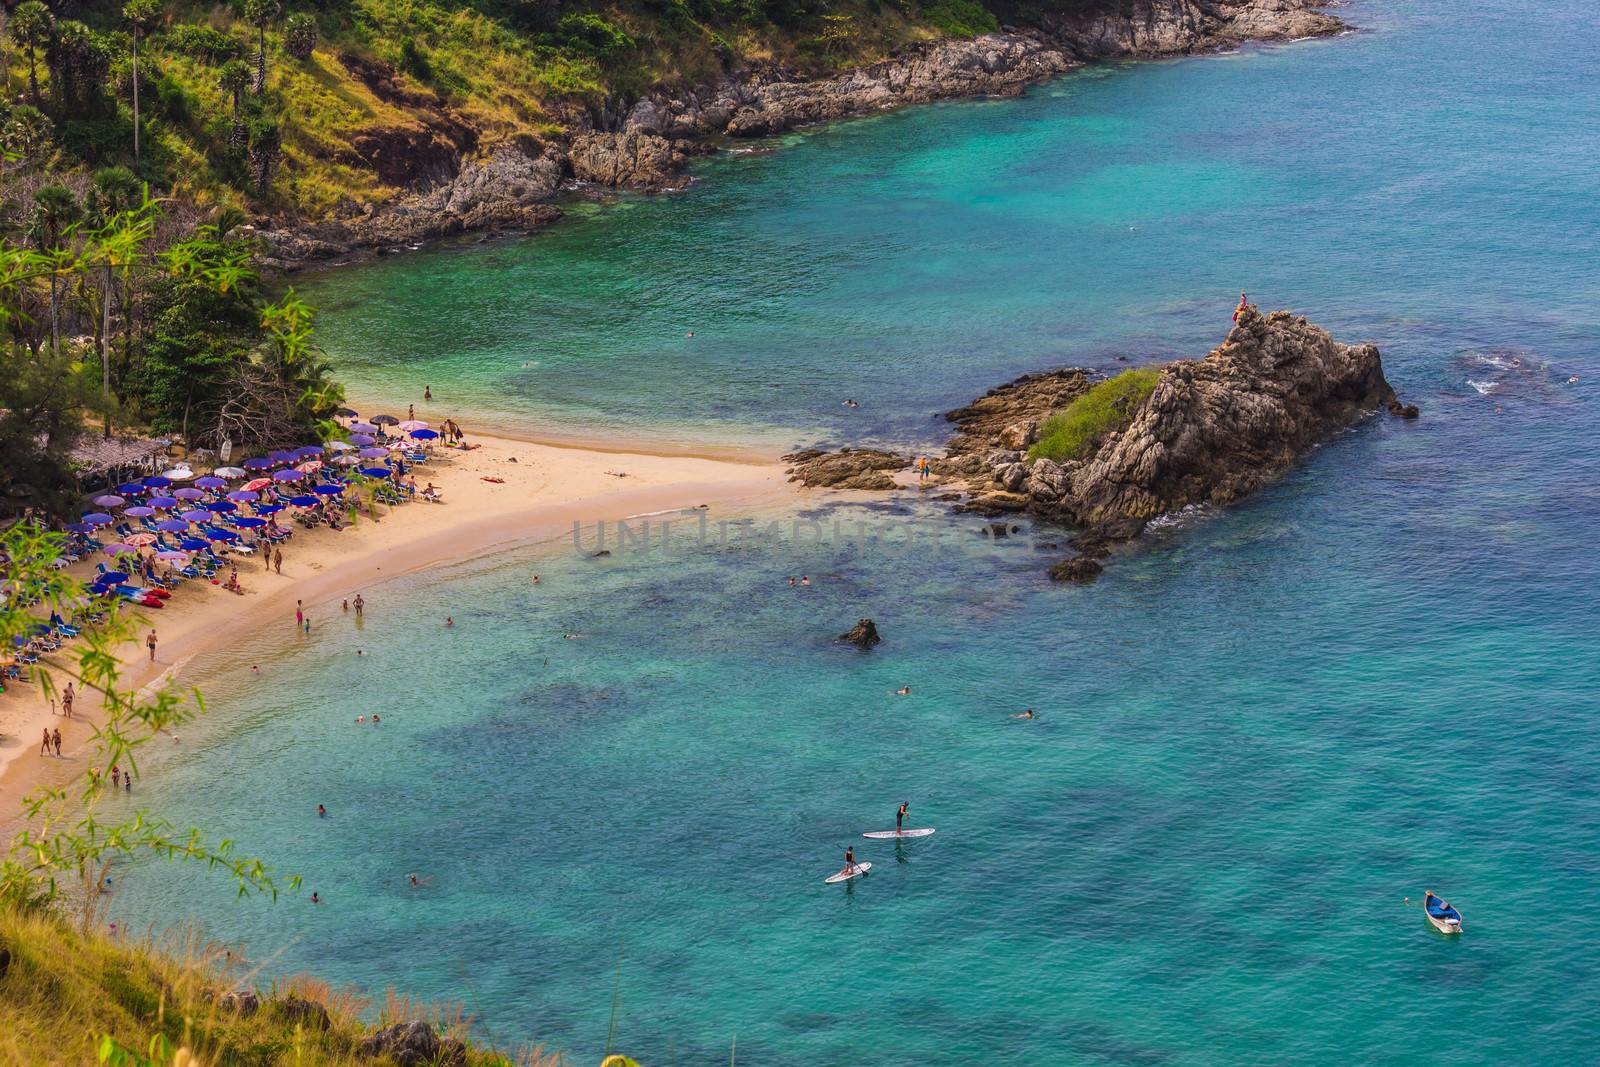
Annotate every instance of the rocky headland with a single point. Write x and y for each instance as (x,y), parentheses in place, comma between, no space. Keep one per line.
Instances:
(1210,431)
(455,183)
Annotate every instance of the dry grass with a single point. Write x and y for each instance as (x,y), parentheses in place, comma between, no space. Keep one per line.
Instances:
(64,989)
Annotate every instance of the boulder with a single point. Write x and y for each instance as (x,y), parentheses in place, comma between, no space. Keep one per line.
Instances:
(1011,477)
(240,1001)
(863,635)
(1079,569)
(308,1013)
(848,468)
(1019,435)
(1403,411)
(414,1044)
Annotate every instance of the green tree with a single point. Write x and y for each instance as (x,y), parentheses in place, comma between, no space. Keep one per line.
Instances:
(261,14)
(234,79)
(141,16)
(266,145)
(31,26)
(300,36)
(27,131)
(56,212)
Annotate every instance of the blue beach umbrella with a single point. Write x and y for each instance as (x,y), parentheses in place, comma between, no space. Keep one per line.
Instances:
(376,472)
(192,544)
(269,509)
(424,435)
(249,522)
(211,481)
(282,455)
(78,527)
(222,505)
(222,535)
(328,490)
(155,481)
(307,451)
(139,512)
(96,518)
(131,488)
(110,577)
(259,463)
(196,516)
(163,501)
(303,501)
(172,526)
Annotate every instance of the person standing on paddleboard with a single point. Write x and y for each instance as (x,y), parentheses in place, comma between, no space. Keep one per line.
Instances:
(900,816)
(849,859)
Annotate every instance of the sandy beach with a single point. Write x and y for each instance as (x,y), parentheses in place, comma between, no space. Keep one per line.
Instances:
(545,488)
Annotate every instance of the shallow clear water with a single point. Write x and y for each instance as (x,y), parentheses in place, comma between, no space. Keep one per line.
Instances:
(1258,732)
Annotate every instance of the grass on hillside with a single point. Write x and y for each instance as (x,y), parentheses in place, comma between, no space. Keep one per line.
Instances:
(64,992)
(1108,406)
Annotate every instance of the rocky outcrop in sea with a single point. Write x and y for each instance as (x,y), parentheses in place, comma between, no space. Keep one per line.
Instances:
(452,183)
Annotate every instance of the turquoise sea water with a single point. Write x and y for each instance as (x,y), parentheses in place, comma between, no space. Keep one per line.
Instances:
(1258,732)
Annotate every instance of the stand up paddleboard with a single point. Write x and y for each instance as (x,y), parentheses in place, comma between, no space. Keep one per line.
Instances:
(848,873)
(880,835)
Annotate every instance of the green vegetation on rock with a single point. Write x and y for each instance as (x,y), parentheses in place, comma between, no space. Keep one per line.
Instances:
(1109,405)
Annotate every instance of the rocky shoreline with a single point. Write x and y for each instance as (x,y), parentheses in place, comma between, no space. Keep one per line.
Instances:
(454,185)
(1210,431)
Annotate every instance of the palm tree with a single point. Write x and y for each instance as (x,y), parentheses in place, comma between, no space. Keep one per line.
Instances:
(261,14)
(28,131)
(300,36)
(234,78)
(31,24)
(141,16)
(55,210)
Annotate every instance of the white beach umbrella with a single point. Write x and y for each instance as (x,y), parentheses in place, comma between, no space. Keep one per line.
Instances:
(340,446)
(178,474)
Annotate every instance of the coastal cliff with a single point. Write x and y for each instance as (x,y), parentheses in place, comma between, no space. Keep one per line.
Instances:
(1106,458)
(467,185)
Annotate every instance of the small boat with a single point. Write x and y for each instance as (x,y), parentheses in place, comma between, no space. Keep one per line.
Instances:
(1445,919)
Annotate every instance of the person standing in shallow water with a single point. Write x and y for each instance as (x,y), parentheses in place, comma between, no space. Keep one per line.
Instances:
(359,605)
(427,392)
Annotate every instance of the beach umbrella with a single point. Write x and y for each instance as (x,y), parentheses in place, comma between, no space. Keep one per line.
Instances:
(373,453)
(131,488)
(376,472)
(210,481)
(139,512)
(110,577)
(96,518)
(345,413)
(259,463)
(163,501)
(172,526)
(78,527)
(255,485)
(269,509)
(363,427)
(178,474)
(118,549)
(221,535)
(142,539)
(425,435)
(249,522)
(222,506)
(290,475)
(281,456)
(173,557)
(197,516)
(310,450)
(230,472)
(310,466)
(413,424)
(156,481)
(190,494)
(240,496)
(362,439)
(347,461)
(328,490)
(109,501)
(303,501)
(192,544)
(384,420)
(340,446)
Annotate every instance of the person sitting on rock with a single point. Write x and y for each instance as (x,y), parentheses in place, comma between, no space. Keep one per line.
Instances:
(1243,303)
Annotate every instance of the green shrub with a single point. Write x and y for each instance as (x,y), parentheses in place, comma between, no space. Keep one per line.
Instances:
(596,36)
(960,18)
(1108,406)
(203,42)
(414,61)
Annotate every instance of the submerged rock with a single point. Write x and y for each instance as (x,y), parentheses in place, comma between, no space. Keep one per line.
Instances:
(1080,569)
(863,635)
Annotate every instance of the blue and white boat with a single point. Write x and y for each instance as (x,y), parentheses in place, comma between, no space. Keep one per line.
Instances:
(1445,919)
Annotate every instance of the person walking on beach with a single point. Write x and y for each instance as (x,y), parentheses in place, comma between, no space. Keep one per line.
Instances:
(66,702)
(277,560)
(55,737)
(411,412)
(150,643)
(359,604)
(44,746)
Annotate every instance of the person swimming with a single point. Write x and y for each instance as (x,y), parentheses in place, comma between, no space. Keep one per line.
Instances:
(321,811)
(1025,715)
(903,691)
(900,816)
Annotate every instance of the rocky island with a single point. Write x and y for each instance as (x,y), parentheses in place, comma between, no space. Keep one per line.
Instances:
(1106,458)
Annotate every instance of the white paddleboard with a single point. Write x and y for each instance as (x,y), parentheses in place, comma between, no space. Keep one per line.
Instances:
(883,834)
(848,873)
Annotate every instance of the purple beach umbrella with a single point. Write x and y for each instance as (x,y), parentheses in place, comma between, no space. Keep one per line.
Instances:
(211,481)
(163,501)
(282,455)
(328,490)
(257,464)
(139,512)
(309,450)
(239,496)
(303,501)
(190,494)
(373,453)
(78,527)
(171,556)
(97,518)
(290,475)
(222,505)
(118,549)
(196,516)
(362,439)
(109,501)
(155,481)
(172,526)
(363,427)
